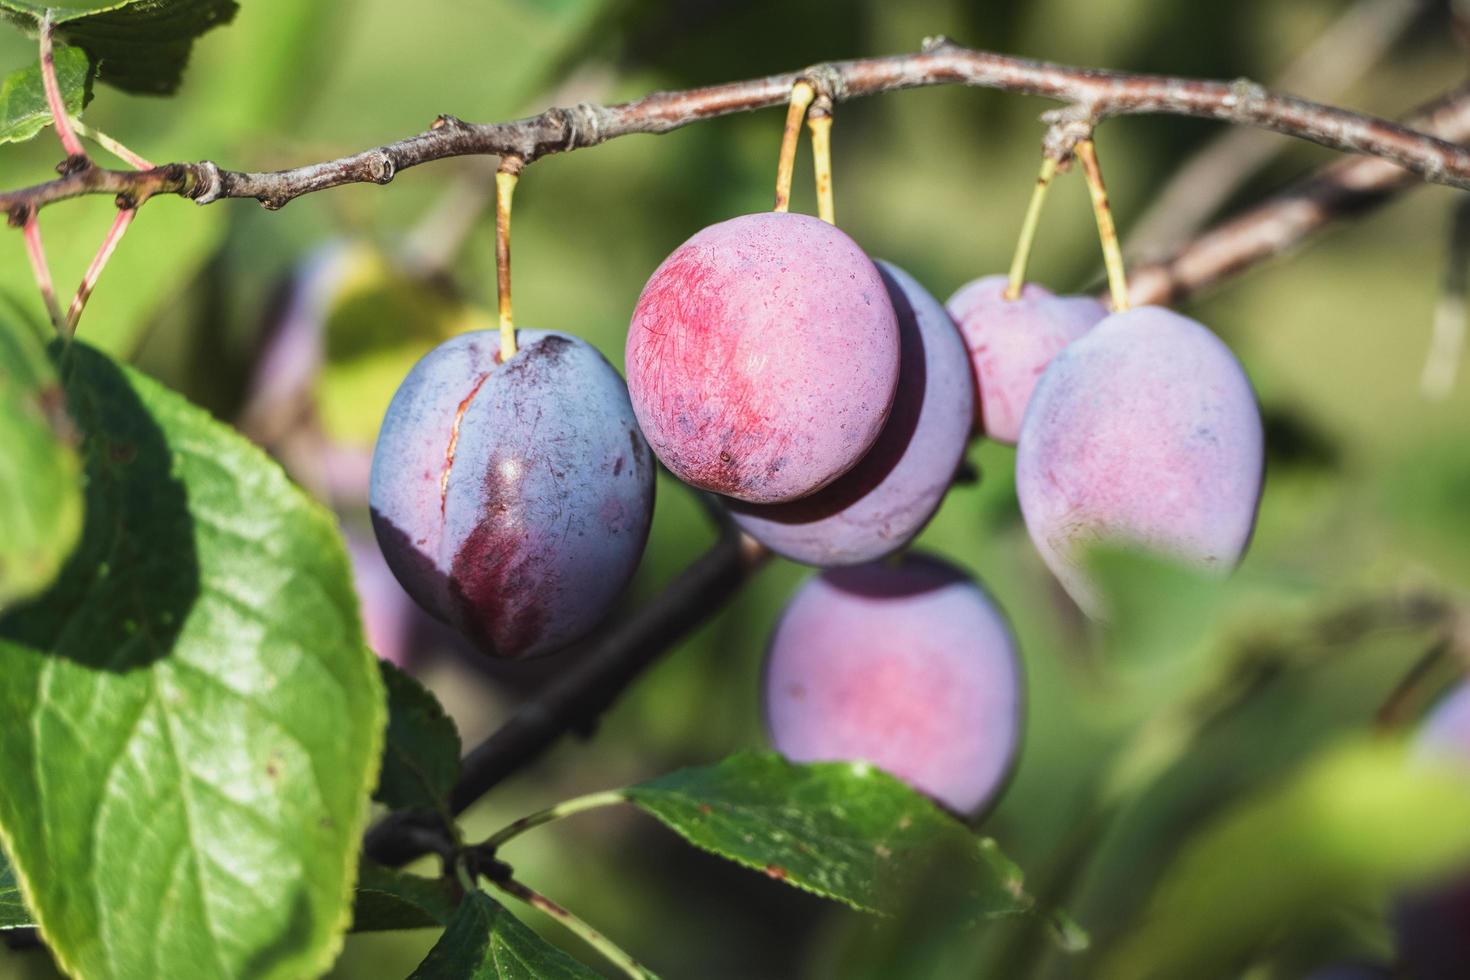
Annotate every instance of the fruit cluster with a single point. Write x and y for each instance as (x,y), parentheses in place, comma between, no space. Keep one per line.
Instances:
(829,400)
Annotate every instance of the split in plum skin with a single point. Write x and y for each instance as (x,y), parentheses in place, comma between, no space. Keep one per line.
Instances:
(762,357)
(1142,433)
(513,500)
(1011,341)
(904,664)
(885,500)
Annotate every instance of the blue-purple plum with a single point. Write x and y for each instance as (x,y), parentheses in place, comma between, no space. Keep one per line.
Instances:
(1012,341)
(513,500)
(1144,432)
(880,504)
(905,664)
(762,357)
(1432,925)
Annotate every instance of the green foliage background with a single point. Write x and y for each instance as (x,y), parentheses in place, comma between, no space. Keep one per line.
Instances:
(1367,478)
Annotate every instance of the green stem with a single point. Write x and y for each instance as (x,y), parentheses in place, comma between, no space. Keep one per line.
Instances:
(563,809)
(589,935)
(1028,228)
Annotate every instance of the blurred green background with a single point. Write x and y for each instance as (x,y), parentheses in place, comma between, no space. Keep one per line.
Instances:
(1368,493)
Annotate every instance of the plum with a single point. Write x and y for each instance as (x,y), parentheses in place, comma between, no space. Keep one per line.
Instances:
(762,357)
(1012,341)
(513,500)
(906,664)
(1432,925)
(1143,432)
(880,504)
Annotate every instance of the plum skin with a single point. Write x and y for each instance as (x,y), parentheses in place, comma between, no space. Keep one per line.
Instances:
(1012,341)
(909,666)
(762,357)
(884,501)
(513,500)
(1432,925)
(1144,432)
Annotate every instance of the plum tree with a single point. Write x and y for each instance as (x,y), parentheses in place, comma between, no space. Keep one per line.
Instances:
(1011,341)
(908,665)
(886,499)
(1143,432)
(762,357)
(513,500)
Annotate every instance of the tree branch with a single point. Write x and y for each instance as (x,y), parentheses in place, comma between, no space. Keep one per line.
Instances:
(578,697)
(1347,187)
(1090,95)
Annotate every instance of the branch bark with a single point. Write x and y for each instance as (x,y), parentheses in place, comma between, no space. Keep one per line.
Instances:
(1347,187)
(577,698)
(1090,95)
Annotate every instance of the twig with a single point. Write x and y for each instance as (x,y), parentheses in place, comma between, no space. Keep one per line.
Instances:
(111,145)
(1447,342)
(60,118)
(1091,95)
(36,252)
(94,271)
(1017,278)
(1344,188)
(1335,60)
(578,697)
(610,951)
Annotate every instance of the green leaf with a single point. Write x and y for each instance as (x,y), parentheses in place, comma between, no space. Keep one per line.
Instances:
(13,911)
(485,942)
(845,831)
(40,474)
(24,111)
(1357,825)
(421,752)
(193,721)
(389,899)
(138,45)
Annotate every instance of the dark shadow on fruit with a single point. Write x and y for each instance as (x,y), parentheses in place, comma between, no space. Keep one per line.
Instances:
(127,590)
(893,440)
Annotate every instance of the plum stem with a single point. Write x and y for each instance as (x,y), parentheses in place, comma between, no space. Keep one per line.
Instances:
(1028,228)
(505,185)
(802,94)
(115,147)
(60,118)
(819,121)
(36,252)
(1107,233)
(94,271)
(563,809)
(610,951)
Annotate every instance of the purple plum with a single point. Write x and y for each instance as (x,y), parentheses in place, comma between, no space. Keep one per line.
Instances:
(1143,432)
(885,500)
(906,664)
(762,357)
(1012,341)
(513,500)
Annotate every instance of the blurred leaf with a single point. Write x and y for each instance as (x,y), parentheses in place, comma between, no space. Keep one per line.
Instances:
(138,45)
(378,323)
(40,474)
(845,831)
(24,111)
(421,751)
(13,911)
(388,899)
(1159,611)
(194,721)
(485,942)
(1356,825)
